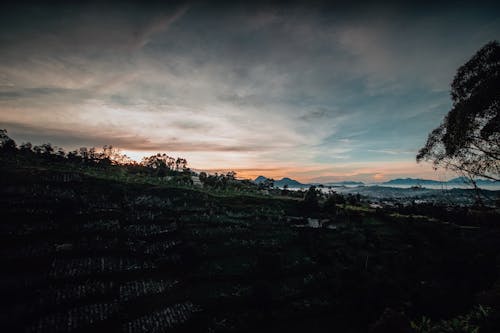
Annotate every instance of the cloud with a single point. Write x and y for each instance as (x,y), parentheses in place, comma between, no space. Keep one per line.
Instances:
(100,136)
(390,152)
(158,25)
(312,88)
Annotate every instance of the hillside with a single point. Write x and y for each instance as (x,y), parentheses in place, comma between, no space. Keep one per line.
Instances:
(85,253)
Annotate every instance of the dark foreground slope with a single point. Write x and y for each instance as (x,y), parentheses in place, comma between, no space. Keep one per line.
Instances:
(86,254)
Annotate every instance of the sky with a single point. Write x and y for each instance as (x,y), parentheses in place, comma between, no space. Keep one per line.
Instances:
(316,92)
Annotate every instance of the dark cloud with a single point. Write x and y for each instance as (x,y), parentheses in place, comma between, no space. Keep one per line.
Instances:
(68,137)
(317,113)
(315,82)
(42,92)
(191,125)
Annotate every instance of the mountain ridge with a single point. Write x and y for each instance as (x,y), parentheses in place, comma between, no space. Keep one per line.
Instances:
(281,182)
(420,181)
(396,181)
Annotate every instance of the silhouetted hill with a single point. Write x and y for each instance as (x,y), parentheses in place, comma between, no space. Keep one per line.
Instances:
(412,181)
(281,182)
(288,181)
(260,179)
(419,181)
(464,180)
(346,182)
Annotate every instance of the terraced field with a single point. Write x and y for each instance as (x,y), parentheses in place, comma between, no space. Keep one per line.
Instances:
(76,259)
(83,254)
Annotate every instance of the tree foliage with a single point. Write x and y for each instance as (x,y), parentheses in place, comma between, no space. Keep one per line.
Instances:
(7,145)
(310,204)
(468,139)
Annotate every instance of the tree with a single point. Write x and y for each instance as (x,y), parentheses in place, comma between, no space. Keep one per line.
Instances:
(468,139)
(203,177)
(267,184)
(180,164)
(310,204)
(26,147)
(231,175)
(47,149)
(7,145)
(330,205)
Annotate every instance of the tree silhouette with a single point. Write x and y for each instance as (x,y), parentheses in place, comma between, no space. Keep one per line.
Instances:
(7,145)
(468,140)
(330,205)
(203,177)
(310,205)
(26,147)
(267,184)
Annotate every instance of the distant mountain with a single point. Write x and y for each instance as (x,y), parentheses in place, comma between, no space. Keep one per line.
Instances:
(288,181)
(345,182)
(458,180)
(260,179)
(281,182)
(412,181)
(398,181)
(419,181)
(465,180)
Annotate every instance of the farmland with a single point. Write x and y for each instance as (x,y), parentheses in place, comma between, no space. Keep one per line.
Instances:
(86,253)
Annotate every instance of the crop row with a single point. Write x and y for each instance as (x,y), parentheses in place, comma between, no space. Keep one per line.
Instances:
(72,292)
(147,230)
(101,225)
(160,248)
(214,232)
(163,320)
(85,266)
(76,318)
(139,288)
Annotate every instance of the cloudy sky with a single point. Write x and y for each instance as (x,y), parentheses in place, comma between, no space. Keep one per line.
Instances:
(314,92)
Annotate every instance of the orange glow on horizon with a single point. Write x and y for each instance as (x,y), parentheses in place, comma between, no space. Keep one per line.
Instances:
(245,168)
(366,172)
